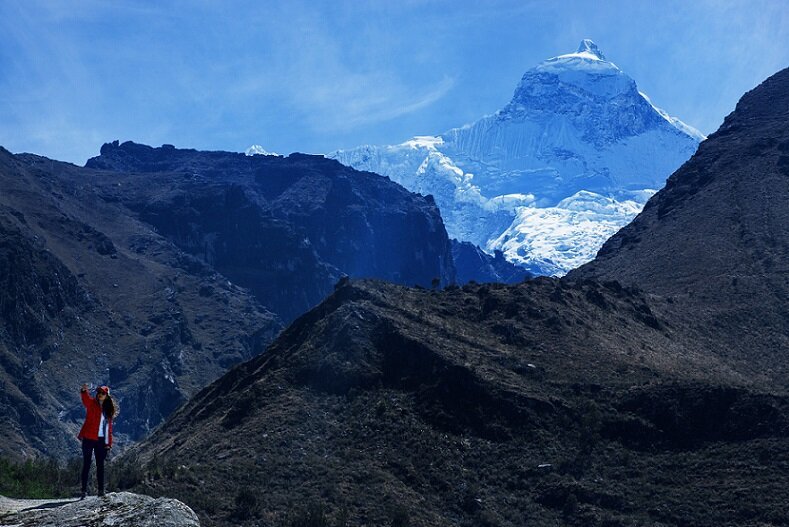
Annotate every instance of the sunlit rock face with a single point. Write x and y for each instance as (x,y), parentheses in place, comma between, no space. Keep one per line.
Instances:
(122,509)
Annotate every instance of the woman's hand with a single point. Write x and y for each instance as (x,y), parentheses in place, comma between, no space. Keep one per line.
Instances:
(84,387)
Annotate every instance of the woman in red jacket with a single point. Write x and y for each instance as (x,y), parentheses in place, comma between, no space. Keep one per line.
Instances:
(96,433)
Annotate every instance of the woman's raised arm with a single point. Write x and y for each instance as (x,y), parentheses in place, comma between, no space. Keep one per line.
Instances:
(86,398)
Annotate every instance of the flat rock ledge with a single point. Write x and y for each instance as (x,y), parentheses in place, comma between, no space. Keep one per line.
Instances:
(117,509)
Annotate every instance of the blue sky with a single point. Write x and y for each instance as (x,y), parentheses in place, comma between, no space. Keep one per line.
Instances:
(315,76)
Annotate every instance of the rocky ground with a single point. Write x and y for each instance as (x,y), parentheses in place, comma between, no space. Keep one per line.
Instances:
(122,509)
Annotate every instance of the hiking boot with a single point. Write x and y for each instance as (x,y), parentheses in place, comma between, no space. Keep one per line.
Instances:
(101,493)
(82,495)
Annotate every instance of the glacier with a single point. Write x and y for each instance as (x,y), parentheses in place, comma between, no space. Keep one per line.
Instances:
(547,179)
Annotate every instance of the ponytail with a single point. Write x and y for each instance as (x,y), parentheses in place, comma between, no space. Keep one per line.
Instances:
(109,408)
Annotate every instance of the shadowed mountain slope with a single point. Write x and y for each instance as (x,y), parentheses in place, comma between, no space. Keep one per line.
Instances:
(574,401)
(91,294)
(543,403)
(286,228)
(474,264)
(716,239)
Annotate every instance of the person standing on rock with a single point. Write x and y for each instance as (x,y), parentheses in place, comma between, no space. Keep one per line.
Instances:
(96,433)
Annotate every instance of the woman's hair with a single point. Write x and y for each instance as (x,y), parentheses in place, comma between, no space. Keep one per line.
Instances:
(109,408)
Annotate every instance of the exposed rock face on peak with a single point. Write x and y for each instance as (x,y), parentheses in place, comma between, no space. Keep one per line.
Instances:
(576,123)
(576,401)
(122,509)
(587,46)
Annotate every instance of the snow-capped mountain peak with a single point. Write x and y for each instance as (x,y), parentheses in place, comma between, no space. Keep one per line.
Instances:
(587,46)
(257,150)
(550,176)
(567,78)
(587,51)
(588,59)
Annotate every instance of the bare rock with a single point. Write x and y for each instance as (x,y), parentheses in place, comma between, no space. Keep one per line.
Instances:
(121,509)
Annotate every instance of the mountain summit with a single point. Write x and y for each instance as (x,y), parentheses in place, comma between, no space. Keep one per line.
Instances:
(587,46)
(577,131)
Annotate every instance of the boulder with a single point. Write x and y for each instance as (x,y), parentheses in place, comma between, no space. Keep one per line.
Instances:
(121,509)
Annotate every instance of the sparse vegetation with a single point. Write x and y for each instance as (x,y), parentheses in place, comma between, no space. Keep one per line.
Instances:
(247,504)
(39,478)
(455,427)
(314,515)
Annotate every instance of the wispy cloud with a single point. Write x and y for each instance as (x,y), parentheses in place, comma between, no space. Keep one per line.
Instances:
(315,75)
(364,109)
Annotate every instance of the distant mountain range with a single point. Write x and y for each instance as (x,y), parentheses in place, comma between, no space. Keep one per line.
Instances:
(649,387)
(547,179)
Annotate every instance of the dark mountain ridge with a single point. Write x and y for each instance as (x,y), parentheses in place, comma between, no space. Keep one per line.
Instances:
(474,264)
(628,393)
(716,238)
(286,228)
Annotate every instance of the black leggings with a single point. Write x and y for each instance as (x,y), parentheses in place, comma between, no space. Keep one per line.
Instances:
(90,446)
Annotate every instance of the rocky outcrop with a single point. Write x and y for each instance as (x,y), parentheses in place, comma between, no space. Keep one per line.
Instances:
(122,509)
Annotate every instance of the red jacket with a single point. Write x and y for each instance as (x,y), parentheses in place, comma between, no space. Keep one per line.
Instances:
(90,430)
